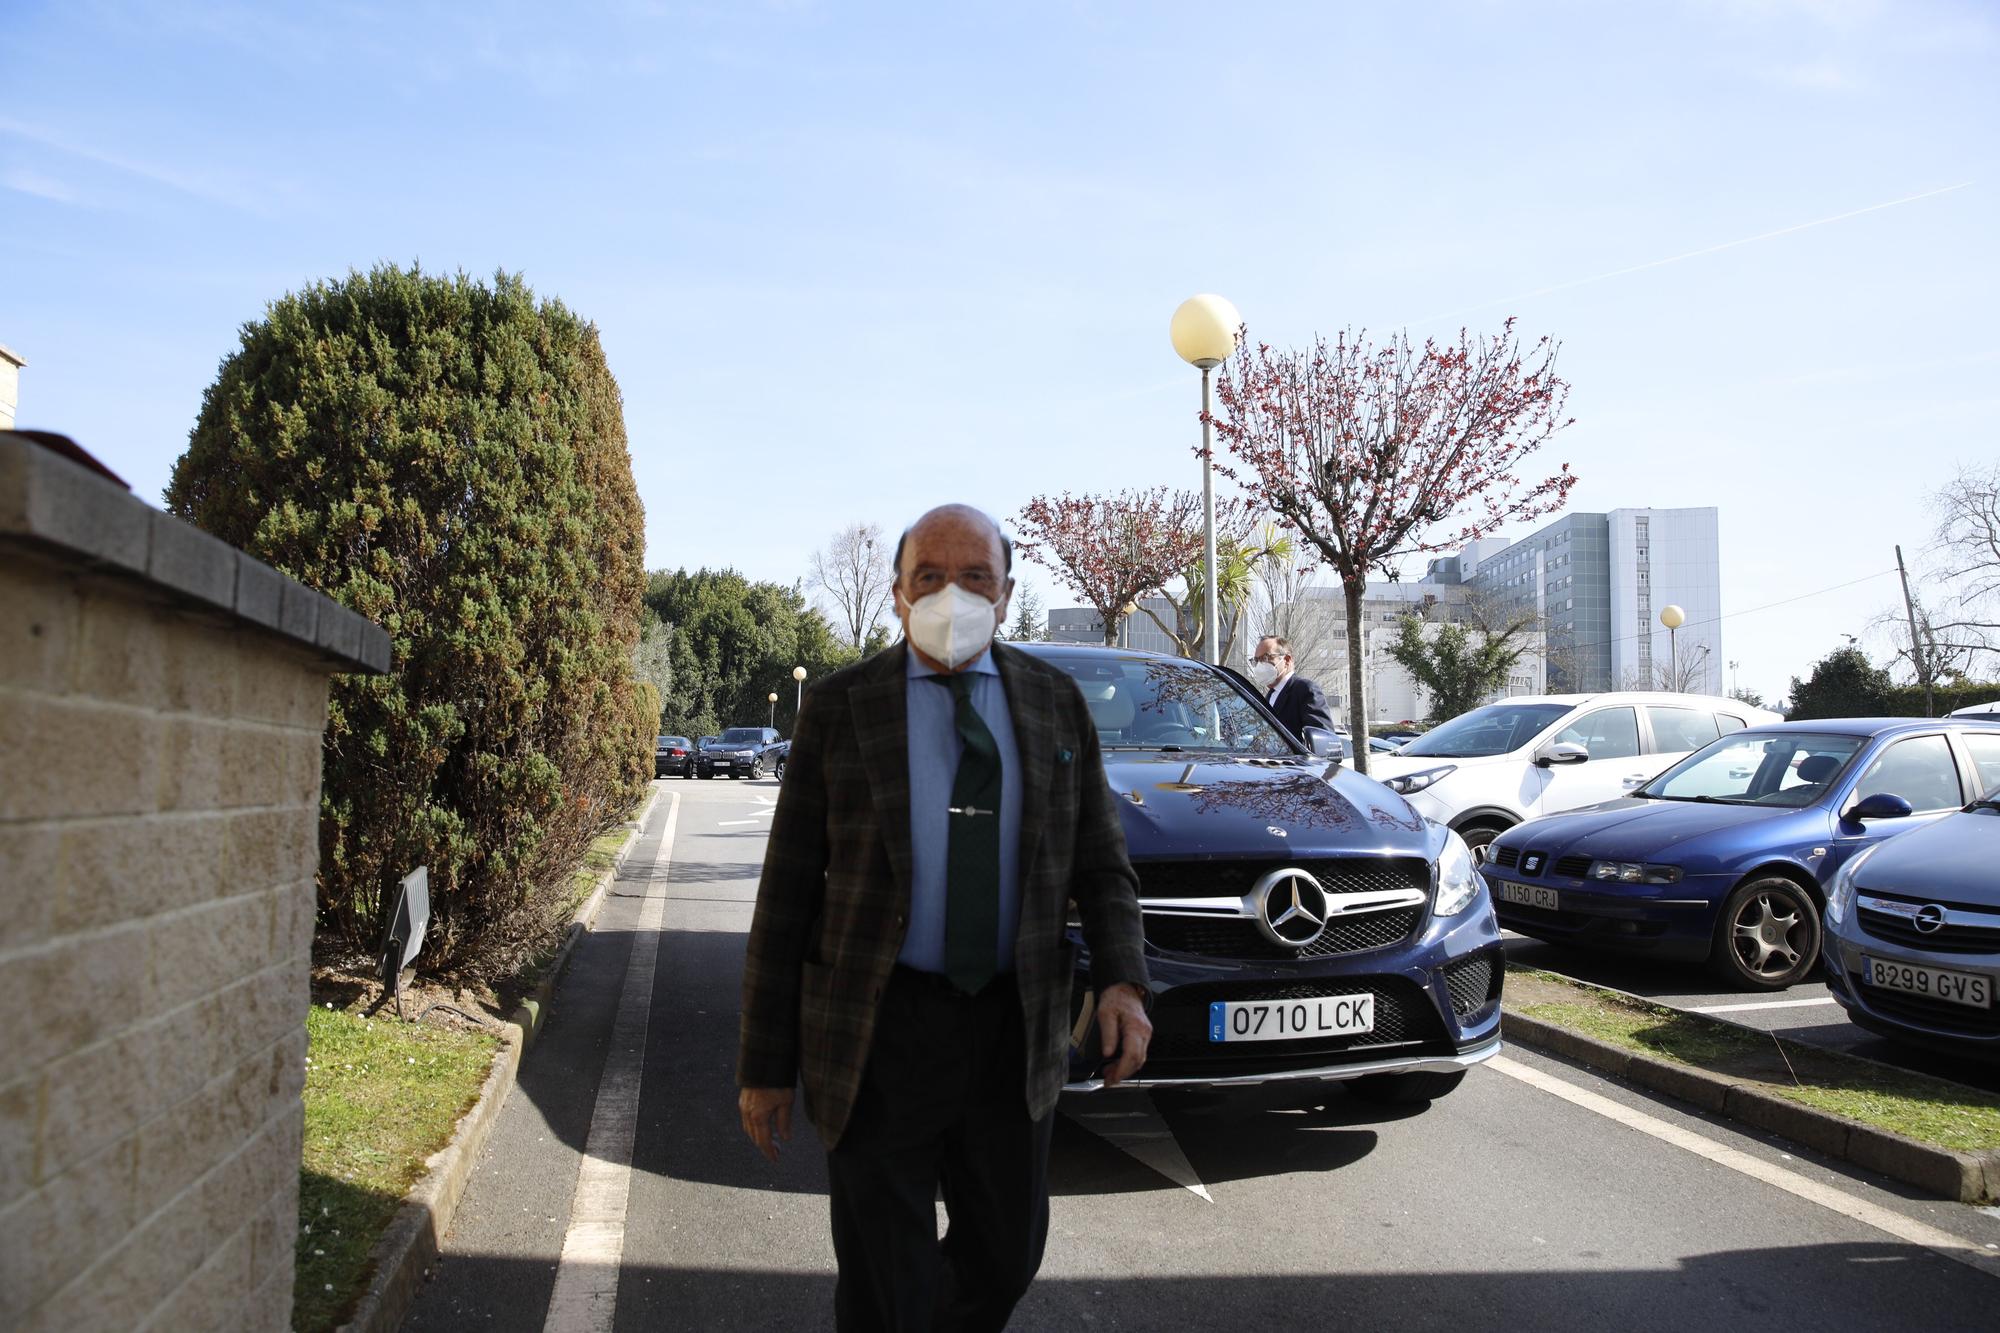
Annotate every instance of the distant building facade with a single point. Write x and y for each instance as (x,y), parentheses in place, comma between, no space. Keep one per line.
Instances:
(1598,583)
(10,384)
(1317,625)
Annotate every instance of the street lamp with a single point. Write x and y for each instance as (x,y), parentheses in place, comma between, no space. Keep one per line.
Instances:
(799,675)
(773,696)
(1204,334)
(1673,618)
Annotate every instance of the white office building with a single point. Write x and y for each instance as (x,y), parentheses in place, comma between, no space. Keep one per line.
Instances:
(1599,582)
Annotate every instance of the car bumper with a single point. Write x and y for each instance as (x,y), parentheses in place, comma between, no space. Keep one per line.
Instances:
(1938,1024)
(732,767)
(1437,1008)
(1667,920)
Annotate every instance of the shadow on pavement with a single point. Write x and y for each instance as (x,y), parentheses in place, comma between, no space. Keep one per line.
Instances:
(1829,1288)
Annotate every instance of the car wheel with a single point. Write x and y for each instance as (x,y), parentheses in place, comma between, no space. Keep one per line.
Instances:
(1479,835)
(756,769)
(1406,1089)
(778,771)
(1767,937)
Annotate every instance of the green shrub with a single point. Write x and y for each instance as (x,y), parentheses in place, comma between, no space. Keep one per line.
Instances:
(447,458)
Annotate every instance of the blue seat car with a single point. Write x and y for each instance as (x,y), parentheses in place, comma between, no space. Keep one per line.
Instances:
(1724,857)
(1302,921)
(1913,926)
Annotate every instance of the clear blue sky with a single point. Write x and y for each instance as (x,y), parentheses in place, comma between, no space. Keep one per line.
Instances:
(852,260)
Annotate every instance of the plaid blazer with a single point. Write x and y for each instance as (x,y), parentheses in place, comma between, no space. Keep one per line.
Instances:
(833,903)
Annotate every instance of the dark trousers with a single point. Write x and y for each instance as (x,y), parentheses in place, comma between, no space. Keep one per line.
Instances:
(943,1103)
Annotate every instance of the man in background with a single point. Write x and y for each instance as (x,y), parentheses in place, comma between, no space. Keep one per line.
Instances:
(1297,701)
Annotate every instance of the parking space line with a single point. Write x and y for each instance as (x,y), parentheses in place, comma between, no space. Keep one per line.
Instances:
(1934,1239)
(585,1298)
(1767,1004)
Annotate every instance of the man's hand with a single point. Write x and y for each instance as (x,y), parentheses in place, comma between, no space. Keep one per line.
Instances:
(1126,1031)
(767,1117)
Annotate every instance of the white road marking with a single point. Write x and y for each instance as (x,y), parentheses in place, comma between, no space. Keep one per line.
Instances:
(586,1291)
(1882,1219)
(1144,1134)
(729,823)
(1766,1004)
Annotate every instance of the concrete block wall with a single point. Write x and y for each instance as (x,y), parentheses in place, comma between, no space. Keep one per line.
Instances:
(159,793)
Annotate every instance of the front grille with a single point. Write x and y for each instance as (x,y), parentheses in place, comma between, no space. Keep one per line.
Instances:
(1404,1016)
(1940,1014)
(1473,983)
(1506,856)
(1949,938)
(1337,875)
(1239,937)
(1576,867)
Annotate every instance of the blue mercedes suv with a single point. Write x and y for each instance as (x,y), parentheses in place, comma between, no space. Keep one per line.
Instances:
(1302,921)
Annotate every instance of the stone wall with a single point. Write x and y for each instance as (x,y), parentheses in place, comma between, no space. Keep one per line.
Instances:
(159,791)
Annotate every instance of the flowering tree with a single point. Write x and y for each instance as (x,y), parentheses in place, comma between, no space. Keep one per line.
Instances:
(1113,549)
(1373,452)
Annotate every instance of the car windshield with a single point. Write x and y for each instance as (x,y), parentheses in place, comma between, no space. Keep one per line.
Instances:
(1792,768)
(741,736)
(1494,729)
(1141,703)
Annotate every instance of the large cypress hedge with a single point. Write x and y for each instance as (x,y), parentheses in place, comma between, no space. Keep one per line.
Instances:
(447,458)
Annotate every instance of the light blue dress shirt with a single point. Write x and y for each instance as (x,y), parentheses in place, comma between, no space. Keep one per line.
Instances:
(934,748)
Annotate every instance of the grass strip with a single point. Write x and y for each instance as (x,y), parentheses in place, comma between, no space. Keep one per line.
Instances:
(1930,1110)
(381,1096)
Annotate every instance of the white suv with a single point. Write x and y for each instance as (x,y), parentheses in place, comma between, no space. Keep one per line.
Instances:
(1487,770)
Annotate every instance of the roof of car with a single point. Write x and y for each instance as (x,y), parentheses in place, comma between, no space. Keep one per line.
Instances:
(1876,726)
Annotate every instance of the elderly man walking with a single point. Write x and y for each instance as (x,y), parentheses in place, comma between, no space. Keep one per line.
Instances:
(944,803)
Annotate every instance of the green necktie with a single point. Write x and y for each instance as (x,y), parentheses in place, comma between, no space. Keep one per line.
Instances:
(972,860)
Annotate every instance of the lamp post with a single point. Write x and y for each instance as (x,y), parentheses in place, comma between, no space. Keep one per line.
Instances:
(1673,618)
(1204,334)
(799,675)
(773,696)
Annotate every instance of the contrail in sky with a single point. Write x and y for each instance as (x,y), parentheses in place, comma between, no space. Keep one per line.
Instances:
(1693,254)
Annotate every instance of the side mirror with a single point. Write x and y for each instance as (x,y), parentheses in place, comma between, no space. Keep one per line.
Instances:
(1563,752)
(1882,805)
(1324,743)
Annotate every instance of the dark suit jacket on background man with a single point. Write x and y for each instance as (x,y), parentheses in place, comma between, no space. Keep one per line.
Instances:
(1301,704)
(833,904)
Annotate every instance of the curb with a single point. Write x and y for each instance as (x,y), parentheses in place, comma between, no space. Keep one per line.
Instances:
(412,1241)
(1941,1172)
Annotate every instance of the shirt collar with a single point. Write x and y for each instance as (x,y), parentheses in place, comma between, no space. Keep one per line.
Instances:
(914,668)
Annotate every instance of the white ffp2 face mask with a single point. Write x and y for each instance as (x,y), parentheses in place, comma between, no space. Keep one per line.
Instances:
(1265,674)
(952,625)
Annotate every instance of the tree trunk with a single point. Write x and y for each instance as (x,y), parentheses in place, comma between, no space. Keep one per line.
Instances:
(1357,698)
(1111,630)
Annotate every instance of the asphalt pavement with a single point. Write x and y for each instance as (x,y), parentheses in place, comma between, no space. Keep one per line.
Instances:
(1538,1195)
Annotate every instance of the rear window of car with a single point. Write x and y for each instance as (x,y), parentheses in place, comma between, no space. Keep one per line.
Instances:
(1985,752)
(1679,729)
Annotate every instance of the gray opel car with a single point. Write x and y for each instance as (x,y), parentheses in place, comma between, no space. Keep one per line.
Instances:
(1913,925)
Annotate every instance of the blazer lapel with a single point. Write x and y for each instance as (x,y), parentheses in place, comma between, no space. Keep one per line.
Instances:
(1031,707)
(881,709)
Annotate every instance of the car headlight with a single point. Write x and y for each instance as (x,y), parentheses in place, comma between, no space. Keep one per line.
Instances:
(1458,878)
(1634,872)
(1840,896)
(1406,783)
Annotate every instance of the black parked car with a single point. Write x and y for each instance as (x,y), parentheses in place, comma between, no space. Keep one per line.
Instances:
(737,753)
(1302,921)
(673,757)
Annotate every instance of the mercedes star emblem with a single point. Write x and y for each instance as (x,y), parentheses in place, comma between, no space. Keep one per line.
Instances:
(1291,907)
